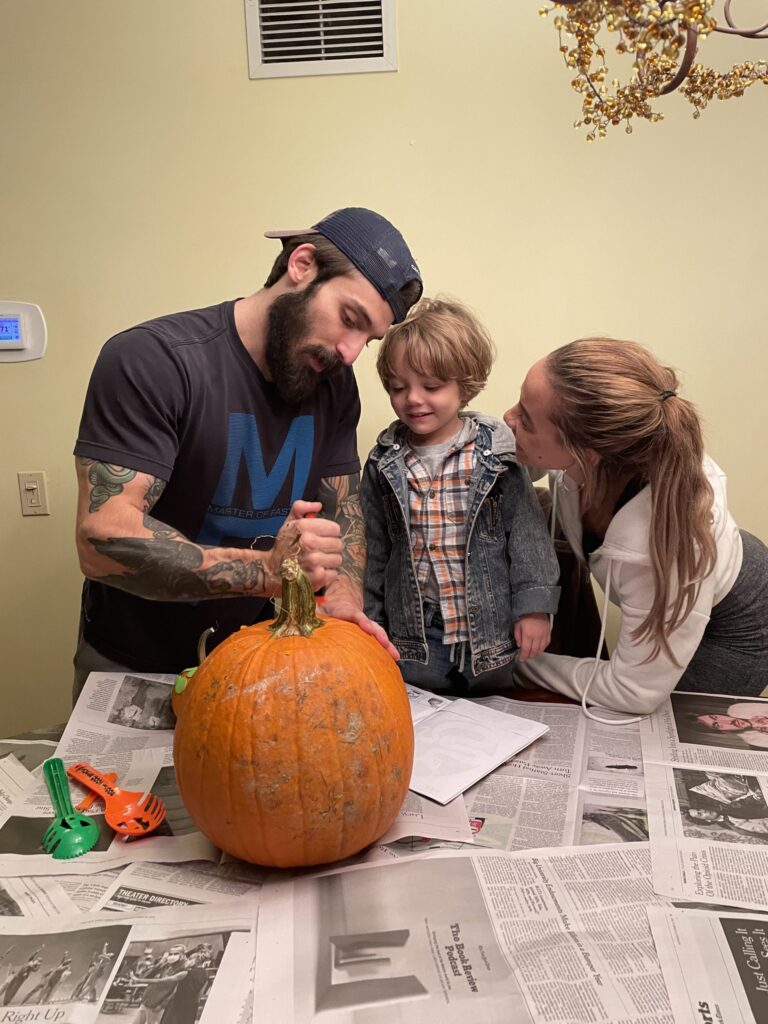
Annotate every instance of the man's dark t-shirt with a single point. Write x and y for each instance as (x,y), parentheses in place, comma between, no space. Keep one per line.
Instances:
(179,398)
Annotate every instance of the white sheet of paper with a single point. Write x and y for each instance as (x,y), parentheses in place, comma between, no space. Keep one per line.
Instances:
(461,743)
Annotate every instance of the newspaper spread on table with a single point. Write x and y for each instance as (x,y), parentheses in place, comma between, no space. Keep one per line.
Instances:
(580,783)
(559,936)
(100,967)
(715,964)
(527,902)
(706,773)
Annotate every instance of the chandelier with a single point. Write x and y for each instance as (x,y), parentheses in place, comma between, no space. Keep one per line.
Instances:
(662,37)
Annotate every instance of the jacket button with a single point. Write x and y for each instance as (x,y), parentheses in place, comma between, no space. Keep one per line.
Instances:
(433,547)
(431,494)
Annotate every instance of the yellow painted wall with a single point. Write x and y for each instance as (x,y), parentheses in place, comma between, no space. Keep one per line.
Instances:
(140,166)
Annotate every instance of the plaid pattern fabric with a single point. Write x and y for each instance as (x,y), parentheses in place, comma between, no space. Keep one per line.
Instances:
(438,510)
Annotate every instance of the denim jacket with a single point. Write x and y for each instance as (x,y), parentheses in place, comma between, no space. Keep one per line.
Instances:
(510,564)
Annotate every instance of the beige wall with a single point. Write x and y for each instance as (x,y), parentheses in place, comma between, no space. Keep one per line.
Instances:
(140,166)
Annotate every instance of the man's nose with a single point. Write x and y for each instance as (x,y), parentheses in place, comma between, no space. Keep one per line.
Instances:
(350,347)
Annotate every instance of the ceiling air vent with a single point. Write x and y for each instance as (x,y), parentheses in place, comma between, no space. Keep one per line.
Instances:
(319,37)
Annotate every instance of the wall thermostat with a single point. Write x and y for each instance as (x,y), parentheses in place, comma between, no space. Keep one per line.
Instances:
(23,334)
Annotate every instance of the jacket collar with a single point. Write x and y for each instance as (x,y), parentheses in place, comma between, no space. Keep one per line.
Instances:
(493,438)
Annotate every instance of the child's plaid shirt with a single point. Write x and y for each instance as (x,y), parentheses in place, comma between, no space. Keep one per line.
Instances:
(438,512)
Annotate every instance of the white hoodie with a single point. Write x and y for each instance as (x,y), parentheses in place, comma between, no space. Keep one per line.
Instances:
(622,567)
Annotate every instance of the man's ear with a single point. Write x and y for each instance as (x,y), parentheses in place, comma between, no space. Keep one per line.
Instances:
(302,265)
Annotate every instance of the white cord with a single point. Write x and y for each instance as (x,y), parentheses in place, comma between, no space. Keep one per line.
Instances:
(584,708)
(603,623)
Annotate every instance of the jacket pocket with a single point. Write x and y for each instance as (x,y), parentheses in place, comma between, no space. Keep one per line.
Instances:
(490,521)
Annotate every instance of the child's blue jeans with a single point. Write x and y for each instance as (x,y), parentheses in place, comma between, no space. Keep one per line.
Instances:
(443,674)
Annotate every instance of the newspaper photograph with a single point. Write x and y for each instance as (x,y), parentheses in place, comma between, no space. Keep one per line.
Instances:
(559,936)
(709,835)
(708,731)
(715,964)
(606,819)
(138,968)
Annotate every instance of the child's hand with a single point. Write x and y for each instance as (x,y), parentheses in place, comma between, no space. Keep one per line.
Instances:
(532,633)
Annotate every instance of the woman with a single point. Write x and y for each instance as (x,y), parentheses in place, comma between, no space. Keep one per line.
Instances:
(639,500)
(748,720)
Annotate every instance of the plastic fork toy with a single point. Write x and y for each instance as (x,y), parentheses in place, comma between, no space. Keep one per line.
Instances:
(90,798)
(127,812)
(71,834)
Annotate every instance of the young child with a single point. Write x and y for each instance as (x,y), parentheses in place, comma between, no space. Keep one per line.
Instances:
(460,569)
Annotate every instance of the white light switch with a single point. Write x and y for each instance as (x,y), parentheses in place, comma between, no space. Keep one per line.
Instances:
(33,491)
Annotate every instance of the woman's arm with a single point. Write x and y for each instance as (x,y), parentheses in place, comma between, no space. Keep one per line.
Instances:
(627,682)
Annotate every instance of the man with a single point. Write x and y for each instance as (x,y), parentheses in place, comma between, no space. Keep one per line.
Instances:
(211,439)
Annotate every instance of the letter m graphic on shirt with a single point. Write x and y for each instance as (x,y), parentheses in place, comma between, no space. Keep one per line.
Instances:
(244,449)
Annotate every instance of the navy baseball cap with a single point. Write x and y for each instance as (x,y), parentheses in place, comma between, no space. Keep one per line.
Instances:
(374,246)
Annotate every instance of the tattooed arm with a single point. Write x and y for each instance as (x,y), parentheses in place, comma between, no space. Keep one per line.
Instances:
(340,496)
(120,543)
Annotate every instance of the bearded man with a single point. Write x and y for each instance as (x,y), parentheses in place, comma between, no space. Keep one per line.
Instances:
(214,441)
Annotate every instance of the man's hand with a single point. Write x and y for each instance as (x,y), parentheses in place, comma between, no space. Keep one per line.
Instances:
(532,633)
(343,601)
(315,543)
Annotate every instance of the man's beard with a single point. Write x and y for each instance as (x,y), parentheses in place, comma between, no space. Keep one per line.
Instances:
(289,324)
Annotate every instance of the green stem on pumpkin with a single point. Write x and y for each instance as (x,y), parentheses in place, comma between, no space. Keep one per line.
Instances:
(297,607)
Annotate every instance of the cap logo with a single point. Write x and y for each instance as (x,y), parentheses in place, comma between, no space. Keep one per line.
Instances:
(386,257)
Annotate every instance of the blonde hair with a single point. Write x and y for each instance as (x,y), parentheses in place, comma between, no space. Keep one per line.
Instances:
(442,339)
(615,399)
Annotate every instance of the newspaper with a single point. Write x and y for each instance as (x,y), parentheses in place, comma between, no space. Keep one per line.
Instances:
(580,783)
(460,742)
(93,967)
(29,753)
(707,791)
(715,964)
(152,886)
(559,936)
(421,817)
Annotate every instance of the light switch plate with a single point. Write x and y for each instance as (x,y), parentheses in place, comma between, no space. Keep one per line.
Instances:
(33,491)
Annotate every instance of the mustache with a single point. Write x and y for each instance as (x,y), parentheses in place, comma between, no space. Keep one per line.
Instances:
(329,361)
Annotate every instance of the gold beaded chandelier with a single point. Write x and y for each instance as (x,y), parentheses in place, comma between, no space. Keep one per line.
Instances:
(662,37)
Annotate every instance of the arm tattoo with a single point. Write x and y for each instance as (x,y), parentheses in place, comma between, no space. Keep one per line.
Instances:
(106,481)
(340,496)
(167,567)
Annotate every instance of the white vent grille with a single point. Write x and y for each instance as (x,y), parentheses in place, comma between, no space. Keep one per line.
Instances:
(319,37)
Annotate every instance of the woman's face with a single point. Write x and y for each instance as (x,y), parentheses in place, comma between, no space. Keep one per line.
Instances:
(538,441)
(725,723)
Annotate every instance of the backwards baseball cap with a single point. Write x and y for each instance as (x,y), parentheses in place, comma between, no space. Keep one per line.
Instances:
(374,246)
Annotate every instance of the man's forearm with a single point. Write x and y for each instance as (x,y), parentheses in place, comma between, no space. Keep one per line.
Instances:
(341,501)
(167,567)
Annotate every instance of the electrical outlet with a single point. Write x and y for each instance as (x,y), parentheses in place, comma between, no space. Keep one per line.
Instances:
(33,491)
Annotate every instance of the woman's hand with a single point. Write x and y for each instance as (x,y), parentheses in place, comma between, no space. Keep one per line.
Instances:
(532,633)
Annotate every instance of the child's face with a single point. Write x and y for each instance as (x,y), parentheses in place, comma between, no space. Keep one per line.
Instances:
(428,406)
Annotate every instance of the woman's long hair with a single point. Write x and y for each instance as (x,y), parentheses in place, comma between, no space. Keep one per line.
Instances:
(615,398)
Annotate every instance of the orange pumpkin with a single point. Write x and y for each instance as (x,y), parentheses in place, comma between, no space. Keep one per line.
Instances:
(294,741)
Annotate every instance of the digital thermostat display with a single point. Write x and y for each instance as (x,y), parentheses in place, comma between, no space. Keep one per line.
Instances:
(10,329)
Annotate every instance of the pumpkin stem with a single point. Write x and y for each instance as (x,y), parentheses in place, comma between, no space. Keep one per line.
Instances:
(297,607)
